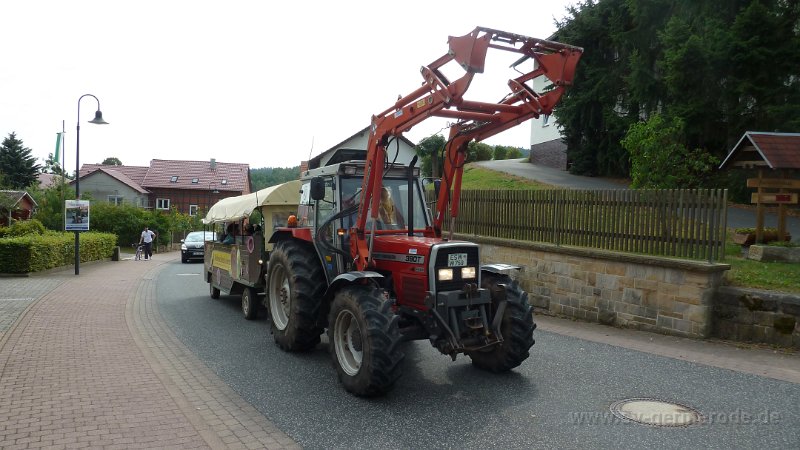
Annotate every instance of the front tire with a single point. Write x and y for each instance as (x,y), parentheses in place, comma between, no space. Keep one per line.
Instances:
(516,326)
(212,291)
(295,288)
(364,341)
(250,303)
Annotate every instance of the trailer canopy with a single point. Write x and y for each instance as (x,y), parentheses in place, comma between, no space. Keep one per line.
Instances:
(235,208)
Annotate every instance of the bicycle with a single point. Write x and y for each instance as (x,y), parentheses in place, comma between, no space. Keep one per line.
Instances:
(139,251)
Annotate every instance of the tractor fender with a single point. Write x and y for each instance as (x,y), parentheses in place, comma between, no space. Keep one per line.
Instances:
(282,234)
(345,279)
(499,268)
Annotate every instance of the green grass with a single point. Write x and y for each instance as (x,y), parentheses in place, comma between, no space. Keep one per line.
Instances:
(745,272)
(478,178)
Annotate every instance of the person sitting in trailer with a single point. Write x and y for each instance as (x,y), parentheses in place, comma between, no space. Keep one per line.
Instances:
(230,234)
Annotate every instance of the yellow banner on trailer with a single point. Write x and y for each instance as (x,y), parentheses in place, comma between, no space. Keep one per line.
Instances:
(221,259)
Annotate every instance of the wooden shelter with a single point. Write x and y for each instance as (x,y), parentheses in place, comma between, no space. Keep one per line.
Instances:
(15,205)
(776,156)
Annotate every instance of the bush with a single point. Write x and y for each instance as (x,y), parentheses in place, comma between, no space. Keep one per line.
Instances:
(125,221)
(25,227)
(34,252)
(500,152)
(482,152)
(659,160)
(514,153)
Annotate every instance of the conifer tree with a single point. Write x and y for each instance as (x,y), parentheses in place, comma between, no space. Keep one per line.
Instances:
(17,166)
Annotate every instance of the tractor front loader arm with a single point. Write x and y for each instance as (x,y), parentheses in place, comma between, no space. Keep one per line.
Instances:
(440,97)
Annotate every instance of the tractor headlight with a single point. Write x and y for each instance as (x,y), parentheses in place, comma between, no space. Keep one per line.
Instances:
(445,274)
(467,272)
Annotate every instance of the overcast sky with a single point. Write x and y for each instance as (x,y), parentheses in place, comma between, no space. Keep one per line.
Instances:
(240,81)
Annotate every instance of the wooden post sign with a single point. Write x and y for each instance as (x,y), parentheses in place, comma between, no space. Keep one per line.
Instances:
(773,183)
(778,199)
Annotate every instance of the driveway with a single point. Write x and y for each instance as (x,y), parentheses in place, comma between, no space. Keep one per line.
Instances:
(737,217)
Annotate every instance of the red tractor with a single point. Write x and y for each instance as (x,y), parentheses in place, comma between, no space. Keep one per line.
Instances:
(367,260)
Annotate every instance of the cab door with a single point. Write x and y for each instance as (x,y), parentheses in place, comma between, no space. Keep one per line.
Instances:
(324,209)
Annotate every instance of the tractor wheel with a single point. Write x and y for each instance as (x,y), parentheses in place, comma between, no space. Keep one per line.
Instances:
(295,287)
(214,292)
(516,327)
(250,303)
(364,341)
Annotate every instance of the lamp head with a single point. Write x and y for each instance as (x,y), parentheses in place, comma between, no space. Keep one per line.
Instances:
(98,118)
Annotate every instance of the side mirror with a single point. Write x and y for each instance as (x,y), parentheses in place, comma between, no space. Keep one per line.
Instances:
(317,188)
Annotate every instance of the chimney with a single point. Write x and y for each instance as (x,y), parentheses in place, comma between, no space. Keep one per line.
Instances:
(303,167)
(213,163)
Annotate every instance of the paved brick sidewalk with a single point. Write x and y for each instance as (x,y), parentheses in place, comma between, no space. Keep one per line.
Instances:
(92,364)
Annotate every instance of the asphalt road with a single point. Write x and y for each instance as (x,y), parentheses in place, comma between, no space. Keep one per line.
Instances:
(558,398)
(737,217)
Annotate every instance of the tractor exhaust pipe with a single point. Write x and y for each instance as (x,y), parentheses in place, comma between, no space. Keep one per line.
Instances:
(410,201)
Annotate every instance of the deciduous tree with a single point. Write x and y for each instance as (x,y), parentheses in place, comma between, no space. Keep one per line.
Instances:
(429,150)
(111,161)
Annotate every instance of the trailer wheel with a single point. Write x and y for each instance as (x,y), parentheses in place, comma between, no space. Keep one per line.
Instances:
(214,292)
(516,327)
(250,303)
(364,341)
(295,285)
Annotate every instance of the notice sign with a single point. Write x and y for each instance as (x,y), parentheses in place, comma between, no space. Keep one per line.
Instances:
(787,199)
(76,215)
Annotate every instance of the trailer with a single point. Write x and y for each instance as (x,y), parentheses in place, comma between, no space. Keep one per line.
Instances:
(238,265)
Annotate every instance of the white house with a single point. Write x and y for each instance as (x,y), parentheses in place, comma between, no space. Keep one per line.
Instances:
(112,184)
(547,148)
(355,148)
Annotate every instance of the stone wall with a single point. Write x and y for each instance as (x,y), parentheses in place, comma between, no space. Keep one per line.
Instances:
(752,315)
(664,295)
(550,154)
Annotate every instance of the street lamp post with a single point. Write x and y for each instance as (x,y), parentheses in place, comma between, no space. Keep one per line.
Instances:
(98,119)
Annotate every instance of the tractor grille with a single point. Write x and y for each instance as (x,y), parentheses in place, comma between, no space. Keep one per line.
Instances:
(441,262)
(414,290)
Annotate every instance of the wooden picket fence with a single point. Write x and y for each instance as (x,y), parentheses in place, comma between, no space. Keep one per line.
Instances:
(683,223)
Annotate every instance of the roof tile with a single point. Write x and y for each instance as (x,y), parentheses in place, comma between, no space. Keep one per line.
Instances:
(236,176)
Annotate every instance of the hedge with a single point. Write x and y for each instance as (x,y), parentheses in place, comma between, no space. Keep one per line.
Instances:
(34,253)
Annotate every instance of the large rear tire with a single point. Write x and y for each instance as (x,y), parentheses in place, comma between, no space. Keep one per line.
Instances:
(364,341)
(516,327)
(295,286)
(250,303)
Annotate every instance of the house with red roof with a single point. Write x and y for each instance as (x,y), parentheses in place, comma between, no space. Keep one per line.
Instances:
(15,205)
(191,187)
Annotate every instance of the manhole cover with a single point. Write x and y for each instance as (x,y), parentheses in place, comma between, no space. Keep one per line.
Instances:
(655,412)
